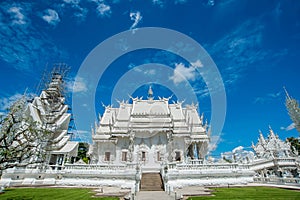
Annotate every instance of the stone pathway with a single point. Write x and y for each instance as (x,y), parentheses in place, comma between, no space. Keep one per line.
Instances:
(193,191)
(153,195)
(184,192)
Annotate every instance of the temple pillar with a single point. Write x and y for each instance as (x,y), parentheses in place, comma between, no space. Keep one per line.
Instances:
(131,147)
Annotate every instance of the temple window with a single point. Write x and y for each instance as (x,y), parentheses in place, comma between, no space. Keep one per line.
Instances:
(143,156)
(177,156)
(107,156)
(158,156)
(124,156)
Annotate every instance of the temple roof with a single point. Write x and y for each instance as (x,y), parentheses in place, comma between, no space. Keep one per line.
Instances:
(271,146)
(150,115)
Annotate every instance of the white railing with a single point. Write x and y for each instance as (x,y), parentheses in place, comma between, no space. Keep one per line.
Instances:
(87,167)
(68,168)
(192,166)
(273,162)
(277,180)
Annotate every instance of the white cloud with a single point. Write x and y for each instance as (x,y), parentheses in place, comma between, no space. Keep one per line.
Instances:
(104,9)
(75,2)
(210,2)
(150,72)
(136,17)
(182,73)
(197,63)
(201,91)
(243,48)
(80,12)
(17,16)
(274,95)
(78,85)
(180,1)
(267,98)
(131,66)
(238,154)
(289,127)
(30,48)
(51,16)
(159,3)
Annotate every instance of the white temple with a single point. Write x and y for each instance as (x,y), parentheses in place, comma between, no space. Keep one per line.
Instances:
(148,144)
(278,151)
(149,132)
(272,147)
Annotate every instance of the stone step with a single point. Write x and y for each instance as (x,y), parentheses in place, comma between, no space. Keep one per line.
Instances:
(151,182)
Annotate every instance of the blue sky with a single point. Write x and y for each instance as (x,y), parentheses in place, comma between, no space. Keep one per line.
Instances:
(254,44)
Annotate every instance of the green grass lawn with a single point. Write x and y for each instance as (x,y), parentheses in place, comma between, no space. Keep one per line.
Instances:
(50,194)
(248,193)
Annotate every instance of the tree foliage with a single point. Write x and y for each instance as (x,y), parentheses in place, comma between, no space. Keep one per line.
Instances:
(82,150)
(21,139)
(294,143)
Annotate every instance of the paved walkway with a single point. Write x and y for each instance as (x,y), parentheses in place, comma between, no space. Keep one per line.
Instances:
(153,195)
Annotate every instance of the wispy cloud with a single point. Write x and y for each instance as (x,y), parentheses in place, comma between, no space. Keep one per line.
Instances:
(51,17)
(180,1)
(210,2)
(201,91)
(238,154)
(160,3)
(241,48)
(268,97)
(79,85)
(136,17)
(79,11)
(17,16)
(183,73)
(103,9)
(29,48)
(289,127)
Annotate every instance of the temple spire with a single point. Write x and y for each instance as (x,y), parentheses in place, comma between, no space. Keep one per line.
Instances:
(261,138)
(271,134)
(287,94)
(150,93)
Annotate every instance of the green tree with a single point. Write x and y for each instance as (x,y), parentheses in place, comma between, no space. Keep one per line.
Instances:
(22,140)
(82,150)
(294,143)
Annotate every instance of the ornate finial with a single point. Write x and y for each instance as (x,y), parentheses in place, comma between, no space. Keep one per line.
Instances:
(271,131)
(96,124)
(270,128)
(261,138)
(150,93)
(93,131)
